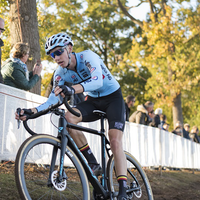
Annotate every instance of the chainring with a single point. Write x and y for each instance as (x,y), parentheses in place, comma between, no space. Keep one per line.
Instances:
(138,194)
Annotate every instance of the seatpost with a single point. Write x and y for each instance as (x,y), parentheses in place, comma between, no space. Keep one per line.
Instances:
(103,152)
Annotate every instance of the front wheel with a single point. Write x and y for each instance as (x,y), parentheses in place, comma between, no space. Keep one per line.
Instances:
(138,186)
(32,171)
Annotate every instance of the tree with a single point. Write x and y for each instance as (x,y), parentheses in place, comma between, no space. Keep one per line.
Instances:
(24,28)
(171,53)
(99,26)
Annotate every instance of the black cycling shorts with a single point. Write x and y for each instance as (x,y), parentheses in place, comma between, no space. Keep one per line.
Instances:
(112,104)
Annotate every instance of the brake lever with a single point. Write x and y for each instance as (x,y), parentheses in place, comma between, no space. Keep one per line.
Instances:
(18,120)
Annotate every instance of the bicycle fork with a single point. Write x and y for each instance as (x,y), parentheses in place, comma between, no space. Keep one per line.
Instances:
(62,146)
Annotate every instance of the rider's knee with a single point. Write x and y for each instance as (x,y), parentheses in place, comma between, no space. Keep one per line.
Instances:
(115,144)
(72,118)
(69,117)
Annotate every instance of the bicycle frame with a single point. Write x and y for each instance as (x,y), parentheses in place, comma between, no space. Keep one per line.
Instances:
(66,140)
(100,187)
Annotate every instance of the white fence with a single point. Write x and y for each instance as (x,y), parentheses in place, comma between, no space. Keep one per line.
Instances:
(151,146)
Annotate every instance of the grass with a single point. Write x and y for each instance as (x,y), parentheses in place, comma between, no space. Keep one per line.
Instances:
(8,189)
(171,185)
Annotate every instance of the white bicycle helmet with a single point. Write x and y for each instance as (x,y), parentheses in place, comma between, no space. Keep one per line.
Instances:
(57,40)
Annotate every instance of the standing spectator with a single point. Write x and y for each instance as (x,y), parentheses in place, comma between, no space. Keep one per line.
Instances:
(179,130)
(15,72)
(130,100)
(151,116)
(141,116)
(187,129)
(163,119)
(194,134)
(1,44)
(156,120)
(165,127)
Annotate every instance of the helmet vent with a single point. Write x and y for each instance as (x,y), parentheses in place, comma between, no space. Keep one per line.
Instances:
(57,40)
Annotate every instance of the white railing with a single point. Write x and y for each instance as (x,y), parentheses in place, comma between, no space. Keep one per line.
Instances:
(150,146)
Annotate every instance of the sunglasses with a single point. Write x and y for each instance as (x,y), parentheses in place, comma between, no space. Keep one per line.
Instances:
(2,30)
(57,52)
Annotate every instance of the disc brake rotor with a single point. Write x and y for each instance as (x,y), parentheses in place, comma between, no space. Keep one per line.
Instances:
(58,185)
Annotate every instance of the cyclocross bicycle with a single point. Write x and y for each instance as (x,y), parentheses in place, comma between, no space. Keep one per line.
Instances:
(41,172)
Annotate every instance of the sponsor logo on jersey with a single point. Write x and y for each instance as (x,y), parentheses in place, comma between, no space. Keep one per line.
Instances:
(87,81)
(95,78)
(92,69)
(104,69)
(73,76)
(75,79)
(81,56)
(57,79)
(88,65)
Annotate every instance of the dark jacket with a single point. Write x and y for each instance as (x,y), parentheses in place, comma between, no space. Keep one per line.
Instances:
(155,121)
(181,131)
(14,75)
(194,137)
(1,44)
(127,111)
(140,116)
(186,134)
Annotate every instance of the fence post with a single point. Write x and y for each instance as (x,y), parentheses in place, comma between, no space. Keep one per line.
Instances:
(160,147)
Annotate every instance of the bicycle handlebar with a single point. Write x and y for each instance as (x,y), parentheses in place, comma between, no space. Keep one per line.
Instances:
(70,109)
(45,111)
(51,107)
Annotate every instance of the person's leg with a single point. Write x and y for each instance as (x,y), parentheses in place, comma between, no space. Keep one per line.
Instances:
(81,141)
(78,137)
(115,137)
(116,120)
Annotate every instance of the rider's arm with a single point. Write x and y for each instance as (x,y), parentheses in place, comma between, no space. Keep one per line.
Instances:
(53,99)
(50,101)
(78,88)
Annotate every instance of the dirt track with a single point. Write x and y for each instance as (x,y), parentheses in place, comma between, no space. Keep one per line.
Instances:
(175,185)
(171,185)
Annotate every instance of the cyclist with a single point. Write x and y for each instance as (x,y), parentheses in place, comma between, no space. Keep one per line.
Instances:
(87,72)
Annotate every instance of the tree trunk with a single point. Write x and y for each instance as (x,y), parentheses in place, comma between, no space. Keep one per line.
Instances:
(177,110)
(24,28)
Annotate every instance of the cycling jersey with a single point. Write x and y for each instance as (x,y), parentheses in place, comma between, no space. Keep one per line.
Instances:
(91,73)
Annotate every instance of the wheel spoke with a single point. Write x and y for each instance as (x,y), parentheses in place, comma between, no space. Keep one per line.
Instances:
(138,186)
(32,170)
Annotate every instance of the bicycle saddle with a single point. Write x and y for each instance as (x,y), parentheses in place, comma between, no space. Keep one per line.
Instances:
(100,113)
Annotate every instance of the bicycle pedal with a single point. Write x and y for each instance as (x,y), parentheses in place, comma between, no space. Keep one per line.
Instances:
(96,168)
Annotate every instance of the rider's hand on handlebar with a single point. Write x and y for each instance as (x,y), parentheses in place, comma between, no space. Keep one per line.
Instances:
(64,90)
(24,113)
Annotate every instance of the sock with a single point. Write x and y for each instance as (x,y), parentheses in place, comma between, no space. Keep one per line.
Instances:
(86,151)
(122,180)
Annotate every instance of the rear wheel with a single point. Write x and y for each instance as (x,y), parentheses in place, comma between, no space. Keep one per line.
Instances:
(32,171)
(138,186)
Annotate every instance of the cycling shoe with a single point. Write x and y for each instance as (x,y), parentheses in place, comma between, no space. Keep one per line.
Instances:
(96,168)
